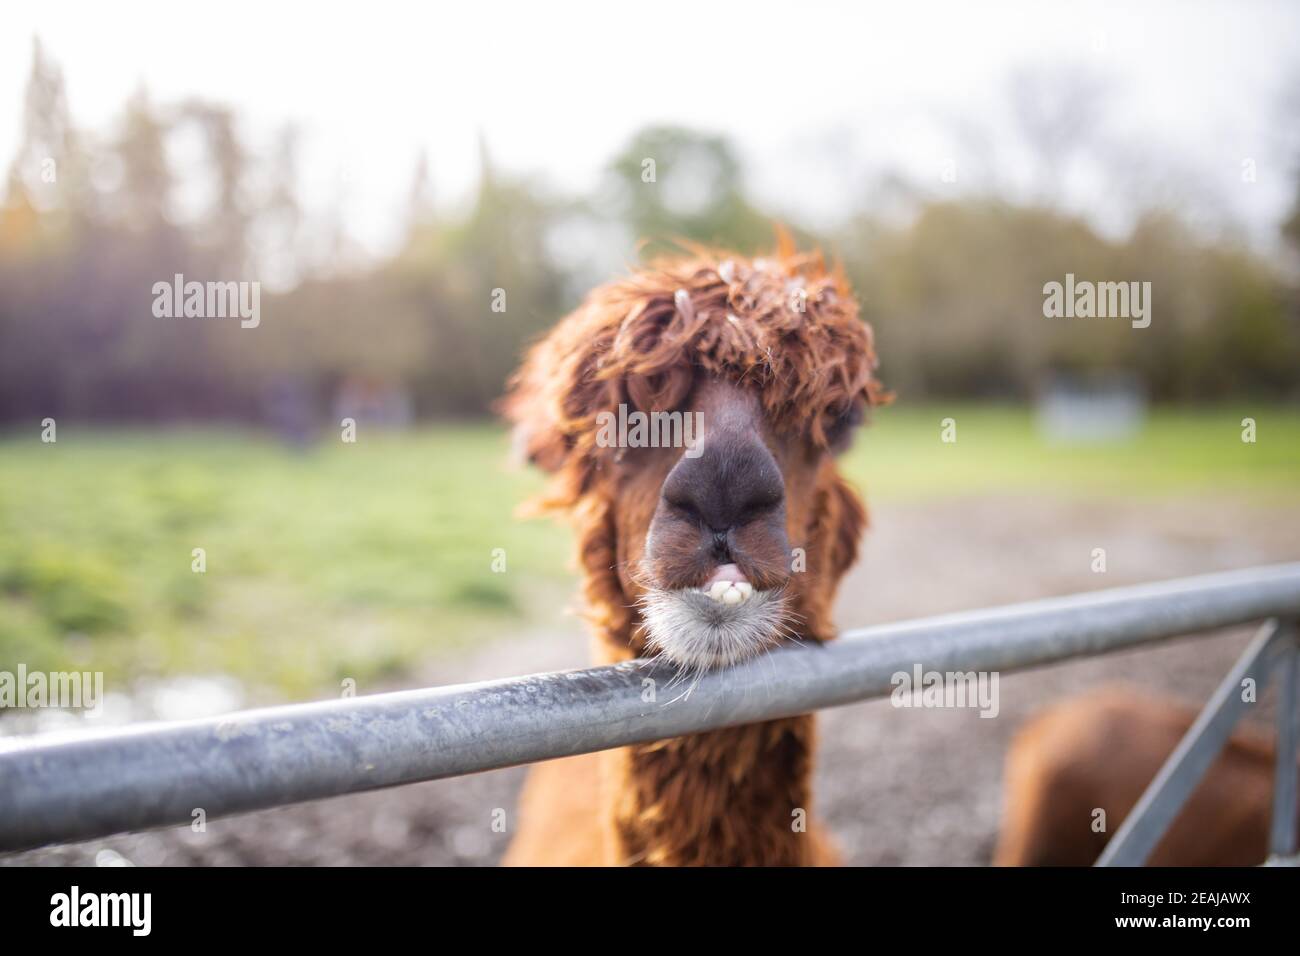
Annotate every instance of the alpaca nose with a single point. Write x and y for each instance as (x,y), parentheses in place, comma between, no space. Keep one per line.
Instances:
(735,481)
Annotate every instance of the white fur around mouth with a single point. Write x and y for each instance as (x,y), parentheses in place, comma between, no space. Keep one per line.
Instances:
(698,630)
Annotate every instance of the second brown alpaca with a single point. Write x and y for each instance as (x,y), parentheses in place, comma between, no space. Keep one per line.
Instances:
(1099,751)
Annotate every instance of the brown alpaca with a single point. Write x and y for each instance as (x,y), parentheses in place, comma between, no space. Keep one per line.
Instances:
(1100,751)
(692,553)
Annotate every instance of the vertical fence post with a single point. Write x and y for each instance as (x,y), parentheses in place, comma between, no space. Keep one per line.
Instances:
(1282,833)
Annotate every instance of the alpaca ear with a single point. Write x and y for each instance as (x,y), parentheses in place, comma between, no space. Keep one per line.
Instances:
(533,441)
(531,405)
(838,522)
(847,522)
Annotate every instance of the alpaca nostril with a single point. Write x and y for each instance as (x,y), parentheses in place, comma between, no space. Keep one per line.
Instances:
(721,548)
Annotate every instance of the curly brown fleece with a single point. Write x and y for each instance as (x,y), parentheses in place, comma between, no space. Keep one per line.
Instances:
(788,328)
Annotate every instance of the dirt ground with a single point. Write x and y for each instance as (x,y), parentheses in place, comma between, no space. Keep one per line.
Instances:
(895,786)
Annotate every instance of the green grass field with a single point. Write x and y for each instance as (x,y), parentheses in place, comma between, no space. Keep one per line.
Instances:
(355,560)
(1000,448)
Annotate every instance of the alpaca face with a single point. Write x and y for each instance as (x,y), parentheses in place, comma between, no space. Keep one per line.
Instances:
(705,534)
(708,553)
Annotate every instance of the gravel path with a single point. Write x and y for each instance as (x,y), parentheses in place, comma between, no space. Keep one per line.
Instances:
(895,786)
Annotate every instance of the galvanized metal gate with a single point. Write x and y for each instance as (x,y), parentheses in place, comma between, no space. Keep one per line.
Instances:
(155,775)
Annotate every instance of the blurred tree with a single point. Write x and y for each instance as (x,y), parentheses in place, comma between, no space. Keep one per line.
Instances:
(1059,113)
(419,202)
(274,233)
(484,285)
(672,183)
(50,169)
(142,199)
(956,299)
(224,229)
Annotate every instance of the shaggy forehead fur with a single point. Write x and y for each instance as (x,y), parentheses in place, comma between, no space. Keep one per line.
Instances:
(785,326)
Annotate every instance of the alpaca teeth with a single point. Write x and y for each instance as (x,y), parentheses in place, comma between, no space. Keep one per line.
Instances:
(730,592)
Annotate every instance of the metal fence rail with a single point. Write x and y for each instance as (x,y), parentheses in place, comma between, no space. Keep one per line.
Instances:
(157,775)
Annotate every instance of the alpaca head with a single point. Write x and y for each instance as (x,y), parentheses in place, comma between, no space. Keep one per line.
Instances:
(691,414)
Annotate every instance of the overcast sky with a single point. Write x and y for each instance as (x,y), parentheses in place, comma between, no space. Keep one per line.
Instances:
(818,96)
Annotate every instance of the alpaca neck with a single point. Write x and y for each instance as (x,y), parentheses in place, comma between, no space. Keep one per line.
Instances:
(740,796)
(733,797)
(737,796)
